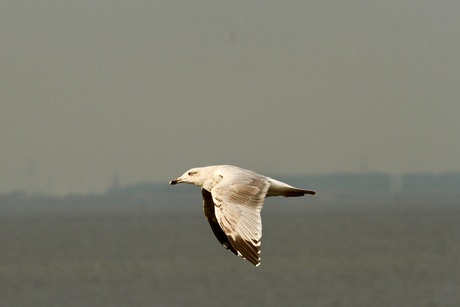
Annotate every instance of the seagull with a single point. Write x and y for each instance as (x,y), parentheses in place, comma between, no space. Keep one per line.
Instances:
(232,199)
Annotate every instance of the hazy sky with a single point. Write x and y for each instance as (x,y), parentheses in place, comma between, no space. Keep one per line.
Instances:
(148,89)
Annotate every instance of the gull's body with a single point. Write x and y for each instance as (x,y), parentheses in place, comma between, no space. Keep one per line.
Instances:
(232,200)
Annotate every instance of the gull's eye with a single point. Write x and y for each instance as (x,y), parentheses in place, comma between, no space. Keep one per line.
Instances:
(191,173)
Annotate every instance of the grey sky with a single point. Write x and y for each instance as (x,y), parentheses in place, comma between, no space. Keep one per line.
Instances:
(148,89)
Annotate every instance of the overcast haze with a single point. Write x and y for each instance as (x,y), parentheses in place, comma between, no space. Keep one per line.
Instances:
(146,90)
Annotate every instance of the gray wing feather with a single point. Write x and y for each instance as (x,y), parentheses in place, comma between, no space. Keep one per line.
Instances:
(237,208)
(208,206)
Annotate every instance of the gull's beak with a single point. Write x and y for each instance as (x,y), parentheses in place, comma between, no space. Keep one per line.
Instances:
(175,181)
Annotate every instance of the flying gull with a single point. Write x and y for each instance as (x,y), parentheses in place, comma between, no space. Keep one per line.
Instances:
(232,200)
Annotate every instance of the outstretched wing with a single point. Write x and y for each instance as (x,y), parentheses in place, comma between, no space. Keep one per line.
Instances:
(208,206)
(237,210)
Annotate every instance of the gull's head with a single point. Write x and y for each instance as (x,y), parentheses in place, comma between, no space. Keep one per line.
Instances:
(194,176)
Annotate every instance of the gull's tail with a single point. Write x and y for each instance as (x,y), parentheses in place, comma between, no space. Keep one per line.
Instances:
(294,192)
(278,188)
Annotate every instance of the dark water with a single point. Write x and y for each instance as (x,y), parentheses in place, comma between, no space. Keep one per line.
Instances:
(319,256)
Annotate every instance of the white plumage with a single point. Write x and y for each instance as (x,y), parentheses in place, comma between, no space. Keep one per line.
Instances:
(233,198)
